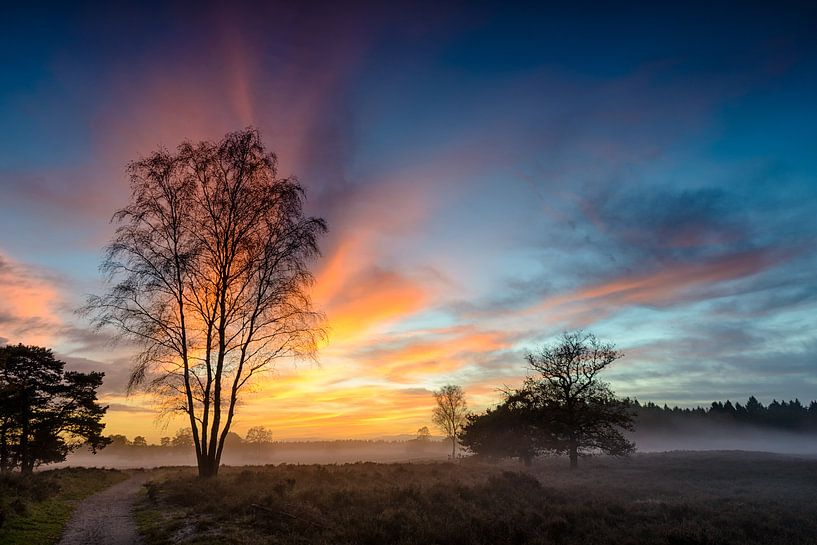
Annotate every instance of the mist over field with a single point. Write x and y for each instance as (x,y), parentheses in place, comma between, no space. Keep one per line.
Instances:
(681,437)
(708,436)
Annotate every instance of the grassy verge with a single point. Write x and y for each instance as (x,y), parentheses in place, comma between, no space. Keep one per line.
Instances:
(674,499)
(34,510)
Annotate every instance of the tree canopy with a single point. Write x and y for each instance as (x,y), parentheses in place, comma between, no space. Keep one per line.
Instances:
(45,411)
(506,431)
(562,406)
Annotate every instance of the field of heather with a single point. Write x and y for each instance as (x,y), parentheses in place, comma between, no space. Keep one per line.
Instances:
(674,498)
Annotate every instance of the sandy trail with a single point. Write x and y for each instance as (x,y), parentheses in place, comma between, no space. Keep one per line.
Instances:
(107,516)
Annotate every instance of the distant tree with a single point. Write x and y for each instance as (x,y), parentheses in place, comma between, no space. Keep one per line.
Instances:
(209,273)
(139,441)
(45,411)
(449,414)
(575,411)
(117,441)
(260,438)
(183,438)
(165,442)
(259,435)
(790,415)
(423,435)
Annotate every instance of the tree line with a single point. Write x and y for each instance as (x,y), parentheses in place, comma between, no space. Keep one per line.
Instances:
(782,415)
(183,438)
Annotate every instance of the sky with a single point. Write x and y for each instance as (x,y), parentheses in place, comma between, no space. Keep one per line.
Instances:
(491,176)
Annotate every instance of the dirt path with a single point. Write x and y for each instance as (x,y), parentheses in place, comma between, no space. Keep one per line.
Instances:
(106,517)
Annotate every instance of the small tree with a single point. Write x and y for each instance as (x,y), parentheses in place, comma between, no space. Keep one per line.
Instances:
(45,411)
(449,414)
(139,441)
(259,435)
(117,441)
(423,435)
(260,438)
(574,411)
(183,438)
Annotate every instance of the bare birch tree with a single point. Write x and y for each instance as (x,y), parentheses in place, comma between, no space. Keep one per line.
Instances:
(208,273)
(449,414)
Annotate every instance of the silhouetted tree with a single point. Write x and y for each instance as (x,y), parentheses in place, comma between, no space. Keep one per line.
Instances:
(117,441)
(183,438)
(260,438)
(45,411)
(449,414)
(259,435)
(139,441)
(209,273)
(789,415)
(574,410)
(507,431)
(423,435)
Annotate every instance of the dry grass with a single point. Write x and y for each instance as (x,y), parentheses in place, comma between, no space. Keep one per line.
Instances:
(692,498)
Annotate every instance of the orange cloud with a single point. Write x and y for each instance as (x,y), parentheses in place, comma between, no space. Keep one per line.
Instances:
(357,295)
(380,299)
(674,283)
(29,305)
(429,354)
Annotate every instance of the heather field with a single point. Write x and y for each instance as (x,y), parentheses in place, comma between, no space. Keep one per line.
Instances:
(673,498)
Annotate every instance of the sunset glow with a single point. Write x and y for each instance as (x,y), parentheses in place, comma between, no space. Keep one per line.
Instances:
(487,182)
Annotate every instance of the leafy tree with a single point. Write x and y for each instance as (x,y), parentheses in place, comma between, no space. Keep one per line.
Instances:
(118,441)
(183,438)
(506,431)
(209,274)
(449,414)
(421,442)
(259,435)
(574,411)
(45,411)
(165,442)
(140,441)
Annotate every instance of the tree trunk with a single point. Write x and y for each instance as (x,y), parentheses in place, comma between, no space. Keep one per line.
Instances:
(574,453)
(4,457)
(25,428)
(453,448)
(208,467)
